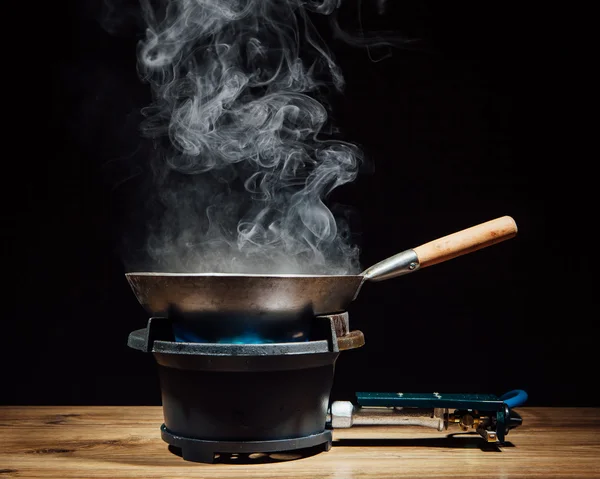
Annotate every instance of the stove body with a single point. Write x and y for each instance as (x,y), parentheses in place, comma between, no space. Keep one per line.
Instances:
(248,397)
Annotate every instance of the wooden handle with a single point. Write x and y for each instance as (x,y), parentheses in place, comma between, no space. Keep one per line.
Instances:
(466,241)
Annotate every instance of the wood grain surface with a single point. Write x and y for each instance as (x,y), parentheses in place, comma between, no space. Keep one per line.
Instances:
(124,442)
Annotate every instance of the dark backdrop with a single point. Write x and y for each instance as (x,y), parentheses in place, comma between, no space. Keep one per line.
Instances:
(475,122)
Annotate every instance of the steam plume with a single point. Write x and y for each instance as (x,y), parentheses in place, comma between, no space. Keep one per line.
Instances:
(246,154)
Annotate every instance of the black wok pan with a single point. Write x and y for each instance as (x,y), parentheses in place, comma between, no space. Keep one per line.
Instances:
(195,296)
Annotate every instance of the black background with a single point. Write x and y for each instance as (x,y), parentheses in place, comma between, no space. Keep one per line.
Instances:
(477,121)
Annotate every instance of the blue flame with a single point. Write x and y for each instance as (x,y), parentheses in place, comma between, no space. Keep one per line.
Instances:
(185,335)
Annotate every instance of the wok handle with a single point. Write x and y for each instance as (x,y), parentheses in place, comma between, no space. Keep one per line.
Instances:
(466,241)
(443,249)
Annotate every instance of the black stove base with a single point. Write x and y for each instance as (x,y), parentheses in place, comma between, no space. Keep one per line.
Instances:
(198,450)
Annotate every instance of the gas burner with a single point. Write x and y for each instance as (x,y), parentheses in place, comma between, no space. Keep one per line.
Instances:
(246,398)
(264,397)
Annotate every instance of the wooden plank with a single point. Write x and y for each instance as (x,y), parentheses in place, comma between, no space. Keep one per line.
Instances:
(124,442)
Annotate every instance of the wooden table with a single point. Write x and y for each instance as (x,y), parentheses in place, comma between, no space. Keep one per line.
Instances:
(119,442)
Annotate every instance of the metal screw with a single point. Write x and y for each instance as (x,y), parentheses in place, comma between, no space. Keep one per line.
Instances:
(412,265)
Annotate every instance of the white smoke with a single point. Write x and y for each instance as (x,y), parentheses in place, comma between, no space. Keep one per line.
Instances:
(246,154)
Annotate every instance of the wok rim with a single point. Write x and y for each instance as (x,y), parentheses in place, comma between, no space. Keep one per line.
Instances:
(246,275)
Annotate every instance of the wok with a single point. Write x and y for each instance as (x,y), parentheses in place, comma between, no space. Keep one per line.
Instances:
(199,296)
